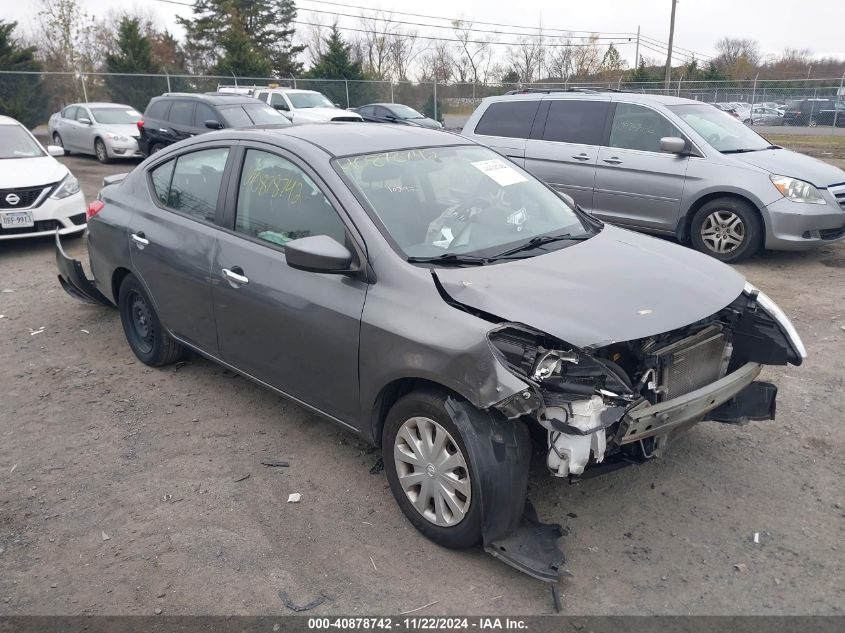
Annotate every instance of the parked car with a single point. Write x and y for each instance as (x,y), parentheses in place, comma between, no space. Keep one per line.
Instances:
(176,116)
(669,166)
(833,113)
(38,195)
(396,113)
(304,106)
(805,111)
(104,130)
(743,111)
(761,115)
(416,288)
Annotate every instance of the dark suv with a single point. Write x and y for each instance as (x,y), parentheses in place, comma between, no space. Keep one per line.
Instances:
(807,111)
(176,116)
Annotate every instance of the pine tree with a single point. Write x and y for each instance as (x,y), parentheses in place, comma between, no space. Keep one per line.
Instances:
(243,36)
(337,62)
(133,55)
(612,60)
(21,96)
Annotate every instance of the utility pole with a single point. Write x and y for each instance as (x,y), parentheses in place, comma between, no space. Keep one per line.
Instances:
(637,50)
(671,38)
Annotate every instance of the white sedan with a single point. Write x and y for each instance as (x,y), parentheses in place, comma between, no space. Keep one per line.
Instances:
(38,195)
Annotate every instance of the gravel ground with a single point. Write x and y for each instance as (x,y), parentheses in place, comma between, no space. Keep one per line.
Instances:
(127,490)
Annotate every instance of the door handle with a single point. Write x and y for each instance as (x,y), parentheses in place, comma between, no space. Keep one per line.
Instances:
(162,130)
(235,278)
(581,157)
(140,240)
(613,160)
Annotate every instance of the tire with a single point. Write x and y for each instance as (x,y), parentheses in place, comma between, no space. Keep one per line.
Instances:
(156,147)
(728,229)
(57,140)
(144,333)
(413,415)
(101,152)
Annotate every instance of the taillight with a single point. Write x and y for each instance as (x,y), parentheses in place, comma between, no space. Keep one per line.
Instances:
(140,124)
(94,208)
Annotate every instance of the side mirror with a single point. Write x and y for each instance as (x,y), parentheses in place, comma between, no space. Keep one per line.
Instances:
(55,150)
(85,121)
(318,254)
(673,145)
(213,124)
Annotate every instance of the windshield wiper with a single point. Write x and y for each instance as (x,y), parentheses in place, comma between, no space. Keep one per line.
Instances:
(449,259)
(540,240)
(743,150)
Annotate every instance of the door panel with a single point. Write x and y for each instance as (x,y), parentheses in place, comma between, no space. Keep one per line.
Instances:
(292,329)
(172,248)
(636,183)
(565,153)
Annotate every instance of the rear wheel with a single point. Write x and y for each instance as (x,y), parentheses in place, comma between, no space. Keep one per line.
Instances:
(156,147)
(728,229)
(57,140)
(147,338)
(101,152)
(429,470)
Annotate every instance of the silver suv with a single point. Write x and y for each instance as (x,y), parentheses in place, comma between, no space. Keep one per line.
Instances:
(669,166)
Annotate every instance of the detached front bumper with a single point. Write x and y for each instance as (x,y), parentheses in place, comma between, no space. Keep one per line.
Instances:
(647,420)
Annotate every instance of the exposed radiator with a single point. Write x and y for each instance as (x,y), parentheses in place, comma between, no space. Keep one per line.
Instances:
(693,362)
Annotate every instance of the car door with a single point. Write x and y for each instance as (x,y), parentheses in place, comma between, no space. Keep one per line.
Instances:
(203,113)
(564,149)
(63,123)
(77,132)
(505,126)
(295,330)
(181,120)
(172,241)
(636,183)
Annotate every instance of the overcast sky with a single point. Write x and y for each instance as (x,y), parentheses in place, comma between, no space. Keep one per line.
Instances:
(775,24)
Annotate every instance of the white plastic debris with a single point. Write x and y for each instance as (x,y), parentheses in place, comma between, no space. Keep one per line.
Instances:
(756,537)
(34,332)
(13,468)
(105,536)
(85,331)
(294,497)
(3,316)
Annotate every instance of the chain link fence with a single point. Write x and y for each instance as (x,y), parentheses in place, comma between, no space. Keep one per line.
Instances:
(452,101)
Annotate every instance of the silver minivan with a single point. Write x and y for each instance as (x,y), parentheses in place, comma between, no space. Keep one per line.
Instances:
(668,166)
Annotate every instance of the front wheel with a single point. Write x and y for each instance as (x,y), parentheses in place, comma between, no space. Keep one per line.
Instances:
(101,152)
(147,338)
(728,229)
(429,471)
(57,140)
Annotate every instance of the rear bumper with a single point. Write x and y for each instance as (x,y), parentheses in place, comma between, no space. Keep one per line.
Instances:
(72,278)
(647,420)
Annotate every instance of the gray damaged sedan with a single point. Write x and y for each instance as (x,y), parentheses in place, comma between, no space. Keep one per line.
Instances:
(414,287)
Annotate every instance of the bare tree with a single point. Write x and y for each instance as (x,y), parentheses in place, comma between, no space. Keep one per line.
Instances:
(525,57)
(559,61)
(66,36)
(586,57)
(737,57)
(475,52)
(438,62)
(375,44)
(404,50)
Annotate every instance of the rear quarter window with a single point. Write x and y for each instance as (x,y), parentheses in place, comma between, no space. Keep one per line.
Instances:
(512,119)
(157,110)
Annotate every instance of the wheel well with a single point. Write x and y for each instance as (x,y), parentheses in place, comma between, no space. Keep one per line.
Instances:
(391,393)
(116,280)
(682,232)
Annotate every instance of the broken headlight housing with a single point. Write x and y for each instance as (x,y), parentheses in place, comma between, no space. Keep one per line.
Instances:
(773,310)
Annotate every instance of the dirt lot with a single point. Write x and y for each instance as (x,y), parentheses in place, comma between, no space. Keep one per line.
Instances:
(122,488)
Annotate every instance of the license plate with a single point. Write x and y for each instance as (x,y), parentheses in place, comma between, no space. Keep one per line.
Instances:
(16,219)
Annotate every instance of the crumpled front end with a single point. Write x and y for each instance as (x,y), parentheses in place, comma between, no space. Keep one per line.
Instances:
(624,402)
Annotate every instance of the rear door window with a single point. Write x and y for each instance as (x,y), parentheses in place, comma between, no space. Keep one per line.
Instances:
(576,121)
(190,183)
(182,113)
(640,128)
(510,119)
(70,113)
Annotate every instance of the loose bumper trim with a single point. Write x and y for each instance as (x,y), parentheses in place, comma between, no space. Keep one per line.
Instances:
(73,280)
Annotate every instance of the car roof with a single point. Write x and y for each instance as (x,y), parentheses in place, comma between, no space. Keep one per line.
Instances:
(213,99)
(101,104)
(630,97)
(346,138)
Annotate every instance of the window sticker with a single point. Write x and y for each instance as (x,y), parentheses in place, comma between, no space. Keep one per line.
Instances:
(500,172)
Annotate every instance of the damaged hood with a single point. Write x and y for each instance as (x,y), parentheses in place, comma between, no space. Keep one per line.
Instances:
(616,286)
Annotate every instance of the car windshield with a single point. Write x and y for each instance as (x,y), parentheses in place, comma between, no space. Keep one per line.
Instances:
(116,116)
(248,114)
(15,142)
(404,112)
(460,201)
(309,100)
(724,132)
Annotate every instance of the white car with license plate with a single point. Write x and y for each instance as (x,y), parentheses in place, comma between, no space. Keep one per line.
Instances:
(38,195)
